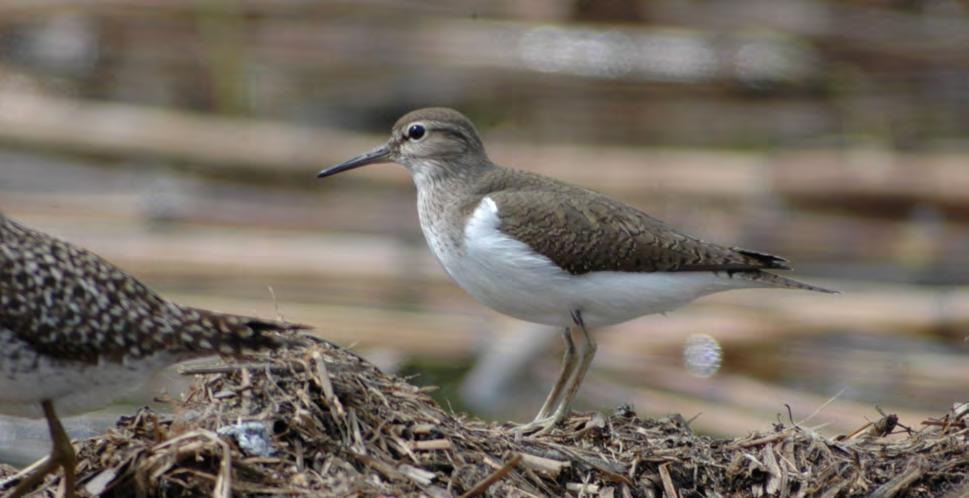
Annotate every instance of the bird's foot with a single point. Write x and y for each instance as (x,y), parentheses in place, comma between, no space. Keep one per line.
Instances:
(541,426)
(33,476)
(61,455)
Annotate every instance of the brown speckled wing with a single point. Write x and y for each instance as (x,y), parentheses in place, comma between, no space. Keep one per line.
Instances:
(69,303)
(583,231)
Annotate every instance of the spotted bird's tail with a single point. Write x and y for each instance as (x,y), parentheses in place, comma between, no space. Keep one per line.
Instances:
(210,331)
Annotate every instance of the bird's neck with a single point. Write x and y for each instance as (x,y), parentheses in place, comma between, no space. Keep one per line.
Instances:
(434,174)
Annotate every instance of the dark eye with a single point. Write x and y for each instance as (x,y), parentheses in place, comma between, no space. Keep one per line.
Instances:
(416,132)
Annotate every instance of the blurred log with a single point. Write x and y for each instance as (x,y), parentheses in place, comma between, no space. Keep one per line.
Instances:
(214,144)
(869,174)
(109,129)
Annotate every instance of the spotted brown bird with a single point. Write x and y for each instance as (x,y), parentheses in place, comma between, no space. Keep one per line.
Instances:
(76,332)
(548,252)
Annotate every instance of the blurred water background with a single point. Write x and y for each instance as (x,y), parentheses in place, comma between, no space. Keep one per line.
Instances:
(180,140)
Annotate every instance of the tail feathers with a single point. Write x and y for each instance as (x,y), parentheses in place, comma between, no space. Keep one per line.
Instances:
(768,261)
(766,279)
(210,332)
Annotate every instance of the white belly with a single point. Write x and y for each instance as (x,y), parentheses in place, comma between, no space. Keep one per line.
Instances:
(506,275)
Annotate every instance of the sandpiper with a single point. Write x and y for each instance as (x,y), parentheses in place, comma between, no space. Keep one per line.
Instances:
(77,332)
(548,252)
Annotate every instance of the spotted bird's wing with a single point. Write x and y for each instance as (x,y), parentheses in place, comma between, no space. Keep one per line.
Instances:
(68,302)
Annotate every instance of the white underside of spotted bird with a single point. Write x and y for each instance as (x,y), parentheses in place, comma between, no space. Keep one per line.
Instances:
(508,276)
(74,387)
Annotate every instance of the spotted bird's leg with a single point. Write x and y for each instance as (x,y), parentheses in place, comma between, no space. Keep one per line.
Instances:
(61,454)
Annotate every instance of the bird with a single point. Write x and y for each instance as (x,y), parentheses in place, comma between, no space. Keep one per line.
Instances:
(77,332)
(549,252)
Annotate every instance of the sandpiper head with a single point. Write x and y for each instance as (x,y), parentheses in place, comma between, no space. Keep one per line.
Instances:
(429,142)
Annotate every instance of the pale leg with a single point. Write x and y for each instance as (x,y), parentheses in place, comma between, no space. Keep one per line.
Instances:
(586,355)
(568,365)
(566,393)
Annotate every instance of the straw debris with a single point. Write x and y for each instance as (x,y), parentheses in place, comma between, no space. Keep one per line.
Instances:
(334,425)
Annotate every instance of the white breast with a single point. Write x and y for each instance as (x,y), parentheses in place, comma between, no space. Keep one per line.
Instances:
(508,276)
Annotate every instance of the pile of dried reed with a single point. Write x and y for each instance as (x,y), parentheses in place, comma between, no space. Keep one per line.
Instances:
(317,419)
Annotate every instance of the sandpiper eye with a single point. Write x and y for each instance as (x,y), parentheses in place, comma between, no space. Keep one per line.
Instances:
(416,132)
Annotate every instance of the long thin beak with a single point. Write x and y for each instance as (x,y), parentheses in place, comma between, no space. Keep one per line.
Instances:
(378,155)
